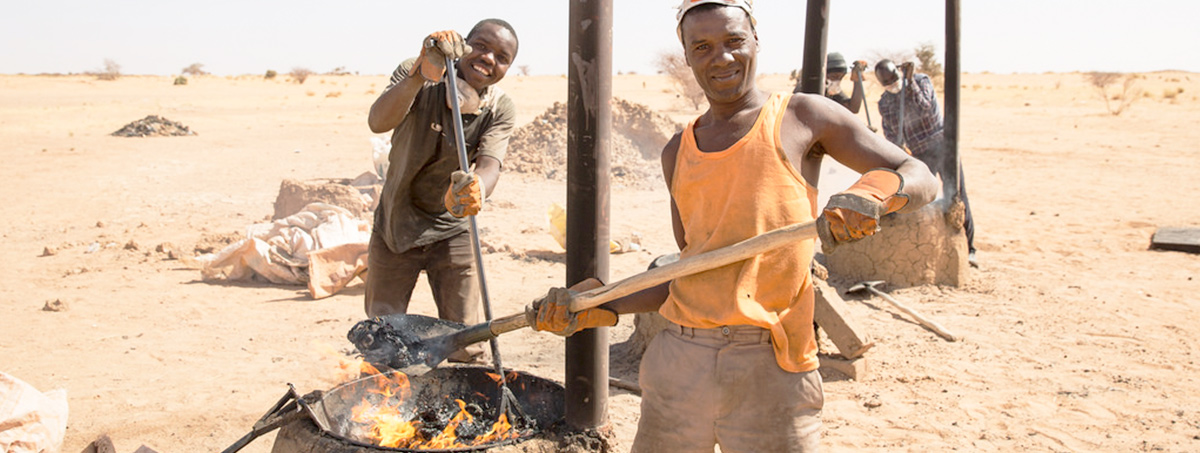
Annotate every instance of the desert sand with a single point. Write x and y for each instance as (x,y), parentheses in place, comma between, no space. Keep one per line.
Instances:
(1077,336)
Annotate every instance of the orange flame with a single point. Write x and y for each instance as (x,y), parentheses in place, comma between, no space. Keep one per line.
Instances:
(388,425)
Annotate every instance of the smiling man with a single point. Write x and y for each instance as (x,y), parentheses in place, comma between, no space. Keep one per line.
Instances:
(737,366)
(421,223)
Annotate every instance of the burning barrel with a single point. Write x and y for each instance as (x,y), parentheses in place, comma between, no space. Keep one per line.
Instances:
(452,409)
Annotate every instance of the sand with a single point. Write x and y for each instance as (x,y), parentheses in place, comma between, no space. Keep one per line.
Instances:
(1077,337)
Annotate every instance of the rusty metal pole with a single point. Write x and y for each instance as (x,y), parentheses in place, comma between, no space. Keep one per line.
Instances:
(816,24)
(589,124)
(951,163)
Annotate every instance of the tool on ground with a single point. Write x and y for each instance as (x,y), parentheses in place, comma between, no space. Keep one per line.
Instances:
(508,403)
(929,324)
(401,340)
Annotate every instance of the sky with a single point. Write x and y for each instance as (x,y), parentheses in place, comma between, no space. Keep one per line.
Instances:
(371,37)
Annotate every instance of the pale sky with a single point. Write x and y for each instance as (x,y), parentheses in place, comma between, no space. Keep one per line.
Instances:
(370,37)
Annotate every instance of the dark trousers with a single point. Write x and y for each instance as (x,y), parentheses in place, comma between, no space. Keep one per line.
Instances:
(449,266)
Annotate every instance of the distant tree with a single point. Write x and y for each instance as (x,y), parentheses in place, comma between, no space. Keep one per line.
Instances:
(338,71)
(111,71)
(1129,90)
(674,66)
(300,74)
(523,70)
(195,69)
(927,57)
(270,74)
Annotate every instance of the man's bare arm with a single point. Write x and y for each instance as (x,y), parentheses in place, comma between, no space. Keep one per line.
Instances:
(393,104)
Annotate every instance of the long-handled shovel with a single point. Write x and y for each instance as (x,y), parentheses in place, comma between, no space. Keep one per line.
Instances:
(401,341)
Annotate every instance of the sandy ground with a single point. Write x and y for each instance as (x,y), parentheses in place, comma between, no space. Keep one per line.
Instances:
(1078,338)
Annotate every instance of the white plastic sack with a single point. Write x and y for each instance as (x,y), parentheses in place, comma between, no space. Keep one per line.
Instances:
(30,421)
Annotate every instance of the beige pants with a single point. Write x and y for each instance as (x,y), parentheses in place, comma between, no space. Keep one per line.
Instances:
(722,386)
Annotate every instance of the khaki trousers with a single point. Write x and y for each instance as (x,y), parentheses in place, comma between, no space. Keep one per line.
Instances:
(722,386)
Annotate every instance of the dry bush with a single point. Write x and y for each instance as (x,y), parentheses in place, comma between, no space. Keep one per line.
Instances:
(926,55)
(333,94)
(674,66)
(300,74)
(111,71)
(1170,95)
(523,70)
(270,74)
(338,71)
(195,69)
(1128,92)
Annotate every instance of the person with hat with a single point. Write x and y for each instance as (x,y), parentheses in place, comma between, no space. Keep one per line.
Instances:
(737,365)
(918,126)
(420,224)
(835,71)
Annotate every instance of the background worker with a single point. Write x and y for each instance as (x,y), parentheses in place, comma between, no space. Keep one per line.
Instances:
(835,71)
(737,366)
(421,224)
(920,128)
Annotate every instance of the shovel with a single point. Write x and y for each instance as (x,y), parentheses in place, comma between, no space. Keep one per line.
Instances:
(403,341)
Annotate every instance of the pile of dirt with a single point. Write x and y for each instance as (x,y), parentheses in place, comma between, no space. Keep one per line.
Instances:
(638,137)
(153,126)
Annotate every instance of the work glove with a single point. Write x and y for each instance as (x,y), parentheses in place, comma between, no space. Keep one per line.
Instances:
(854,213)
(856,74)
(551,313)
(431,63)
(463,197)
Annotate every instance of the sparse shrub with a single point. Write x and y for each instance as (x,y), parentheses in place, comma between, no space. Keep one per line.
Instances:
(111,71)
(181,80)
(300,74)
(270,74)
(333,94)
(675,67)
(1127,95)
(1170,95)
(523,70)
(926,54)
(195,69)
(338,71)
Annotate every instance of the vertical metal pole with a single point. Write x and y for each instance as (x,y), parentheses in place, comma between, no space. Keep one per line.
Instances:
(589,124)
(951,162)
(816,24)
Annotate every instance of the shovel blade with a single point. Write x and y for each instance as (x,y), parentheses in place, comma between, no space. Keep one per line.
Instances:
(404,342)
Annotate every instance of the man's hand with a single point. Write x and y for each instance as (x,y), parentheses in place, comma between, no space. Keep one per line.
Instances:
(857,70)
(907,69)
(551,313)
(431,63)
(854,214)
(463,197)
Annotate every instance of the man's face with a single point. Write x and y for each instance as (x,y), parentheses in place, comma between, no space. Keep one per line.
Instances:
(492,51)
(721,48)
(835,76)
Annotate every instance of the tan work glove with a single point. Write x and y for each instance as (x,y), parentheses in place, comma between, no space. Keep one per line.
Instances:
(431,63)
(551,313)
(463,197)
(854,213)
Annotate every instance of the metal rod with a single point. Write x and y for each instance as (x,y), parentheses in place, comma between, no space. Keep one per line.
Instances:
(816,24)
(465,165)
(589,123)
(951,162)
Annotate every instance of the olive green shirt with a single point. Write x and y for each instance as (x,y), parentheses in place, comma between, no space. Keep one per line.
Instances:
(411,212)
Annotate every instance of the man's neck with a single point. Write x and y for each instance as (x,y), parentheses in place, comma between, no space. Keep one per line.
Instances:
(725,111)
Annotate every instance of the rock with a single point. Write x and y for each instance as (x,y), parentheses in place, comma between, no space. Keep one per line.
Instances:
(49,251)
(153,125)
(132,245)
(55,305)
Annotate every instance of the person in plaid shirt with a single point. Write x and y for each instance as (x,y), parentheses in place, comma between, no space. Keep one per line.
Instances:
(921,131)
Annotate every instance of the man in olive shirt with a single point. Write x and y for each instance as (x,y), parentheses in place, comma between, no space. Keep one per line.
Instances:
(421,222)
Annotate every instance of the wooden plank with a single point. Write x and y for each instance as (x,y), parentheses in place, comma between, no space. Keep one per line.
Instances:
(1177,239)
(856,369)
(832,314)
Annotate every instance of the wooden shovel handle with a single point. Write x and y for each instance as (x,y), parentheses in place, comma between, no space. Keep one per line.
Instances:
(696,264)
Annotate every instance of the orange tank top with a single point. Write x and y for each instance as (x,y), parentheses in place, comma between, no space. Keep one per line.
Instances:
(731,195)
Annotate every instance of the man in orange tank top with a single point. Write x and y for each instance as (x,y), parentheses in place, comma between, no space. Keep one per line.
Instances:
(738,368)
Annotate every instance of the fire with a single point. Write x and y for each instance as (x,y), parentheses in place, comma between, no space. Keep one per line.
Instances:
(387,422)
